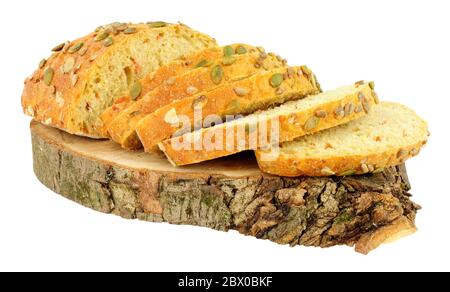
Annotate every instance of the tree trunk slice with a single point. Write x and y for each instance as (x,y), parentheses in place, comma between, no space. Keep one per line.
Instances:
(230,193)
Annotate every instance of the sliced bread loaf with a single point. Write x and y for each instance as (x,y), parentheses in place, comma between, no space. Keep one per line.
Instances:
(220,71)
(387,136)
(82,78)
(262,129)
(166,73)
(245,96)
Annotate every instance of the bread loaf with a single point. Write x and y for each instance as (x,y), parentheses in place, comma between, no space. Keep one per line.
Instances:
(82,78)
(390,134)
(218,72)
(245,96)
(284,123)
(167,72)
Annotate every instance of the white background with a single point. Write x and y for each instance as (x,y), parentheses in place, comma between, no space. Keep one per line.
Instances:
(402,45)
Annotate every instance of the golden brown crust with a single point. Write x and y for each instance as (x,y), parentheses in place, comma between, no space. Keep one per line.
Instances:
(52,101)
(122,128)
(291,126)
(260,94)
(155,79)
(289,165)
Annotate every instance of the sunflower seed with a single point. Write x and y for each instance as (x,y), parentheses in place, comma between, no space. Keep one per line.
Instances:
(378,170)
(401,153)
(348,172)
(58,47)
(320,114)
(228,60)
(327,171)
(68,65)
(170,81)
(48,75)
(348,109)
(241,50)
(240,91)
(135,90)
(171,116)
(92,58)
(156,24)
(261,49)
(130,30)
(279,91)
(73,79)
(364,168)
(339,112)
(361,96)
(204,63)
(366,105)
(217,74)
(358,83)
(358,109)
(375,97)
(101,36)
(83,51)
(276,80)
(76,68)
(191,90)
(228,51)
(108,41)
(199,102)
(263,56)
(75,48)
(311,123)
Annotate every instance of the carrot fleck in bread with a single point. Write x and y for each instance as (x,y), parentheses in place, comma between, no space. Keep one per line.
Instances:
(284,123)
(82,78)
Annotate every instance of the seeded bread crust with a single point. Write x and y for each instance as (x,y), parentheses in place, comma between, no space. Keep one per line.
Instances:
(122,128)
(294,121)
(290,164)
(56,92)
(260,91)
(164,73)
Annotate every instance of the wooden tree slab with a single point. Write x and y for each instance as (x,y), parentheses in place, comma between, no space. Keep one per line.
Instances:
(225,194)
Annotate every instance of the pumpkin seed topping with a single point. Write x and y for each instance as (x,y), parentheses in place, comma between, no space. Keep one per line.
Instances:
(241,50)
(327,171)
(130,30)
(217,74)
(372,85)
(108,41)
(228,60)
(378,170)
(261,49)
(58,47)
(42,63)
(348,172)
(228,51)
(68,65)
(48,76)
(101,36)
(135,90)
(75,48)
(156,24)
(276,80)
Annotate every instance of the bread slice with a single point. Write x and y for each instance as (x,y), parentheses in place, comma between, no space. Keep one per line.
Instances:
(122,128)
(245,96)
(284,123)
(166,72)
(387,136)
(82,78)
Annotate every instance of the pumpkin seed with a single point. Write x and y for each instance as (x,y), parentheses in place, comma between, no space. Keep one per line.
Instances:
(135,90)
(372,85)
(217,74)
(348,172)
(191,90)
(42,63)
(327,171)
(203,63)
(375,97)
(276,80)
(358,83)
(156,24)
(228,60)
(320,114)
(101,36)
(311,123)
(228,51)
(378,170)
(120,26)
(261,49)
(130,30)
(68,65)
(108,41)
(241,50)
(58,47)
(240,91)
(48,75)
(199,102)
(75,48)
